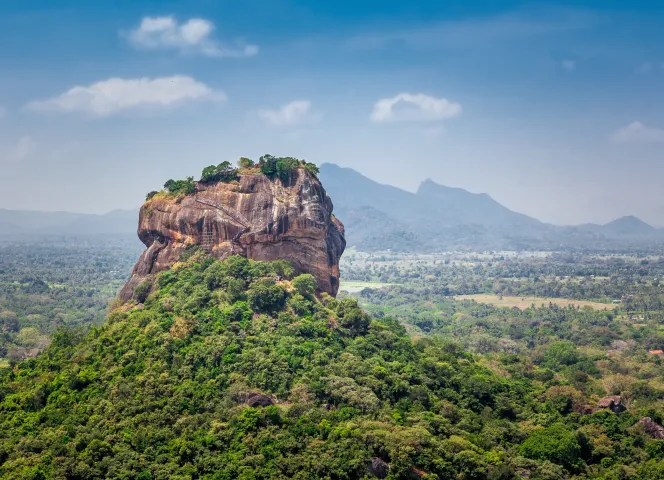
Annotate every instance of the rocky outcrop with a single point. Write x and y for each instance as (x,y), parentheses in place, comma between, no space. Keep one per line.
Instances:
(613,403)
(651,428)
(258,400)
(257,217)
(379,468)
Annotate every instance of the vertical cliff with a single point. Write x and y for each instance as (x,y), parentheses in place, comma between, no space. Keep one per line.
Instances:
(258,217)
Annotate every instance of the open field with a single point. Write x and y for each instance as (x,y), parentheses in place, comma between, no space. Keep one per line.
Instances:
(352,286)
(525,302)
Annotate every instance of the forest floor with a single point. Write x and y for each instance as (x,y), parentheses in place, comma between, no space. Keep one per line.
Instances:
(525,302)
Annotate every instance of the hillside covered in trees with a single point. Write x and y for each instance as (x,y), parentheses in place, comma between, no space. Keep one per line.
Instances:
(235,369)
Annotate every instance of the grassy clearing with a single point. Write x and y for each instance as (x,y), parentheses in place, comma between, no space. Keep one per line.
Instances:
(525,302)
(352,286)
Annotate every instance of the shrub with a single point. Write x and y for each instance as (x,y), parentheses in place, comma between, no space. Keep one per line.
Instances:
(150,195)
(286,166)
(555,443)
(265,295)
(352,317)
(282,167)
(245,162)
(224,172)
(142,290)
(312,168)
(177,187)
(305,284)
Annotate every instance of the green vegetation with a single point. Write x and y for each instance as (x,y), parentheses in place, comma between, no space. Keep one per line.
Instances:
(280,167)
(245,162)
(164,389)
(180,187)
(50,282)
(283,167)
(305,284)
(224,172)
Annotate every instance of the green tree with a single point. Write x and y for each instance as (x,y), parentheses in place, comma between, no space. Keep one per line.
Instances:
(305,284)
(265,295)
(560,353)
(245,162)
(224,172)
(556,443)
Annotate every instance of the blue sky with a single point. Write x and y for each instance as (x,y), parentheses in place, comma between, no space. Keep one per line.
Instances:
(554,109)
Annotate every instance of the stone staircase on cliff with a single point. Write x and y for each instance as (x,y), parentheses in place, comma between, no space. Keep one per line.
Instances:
(207,237)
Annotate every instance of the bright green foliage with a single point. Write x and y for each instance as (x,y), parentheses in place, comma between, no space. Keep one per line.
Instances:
(312,168)
(284,167)
(265,295)
(245,162)
(159,391)
(178,187)
(305,284)
(555,443)
(560,354)
(224,172)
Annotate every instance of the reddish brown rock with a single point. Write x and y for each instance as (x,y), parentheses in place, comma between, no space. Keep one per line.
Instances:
(257,217)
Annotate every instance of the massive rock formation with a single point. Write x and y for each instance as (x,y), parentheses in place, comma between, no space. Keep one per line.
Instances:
(257,217)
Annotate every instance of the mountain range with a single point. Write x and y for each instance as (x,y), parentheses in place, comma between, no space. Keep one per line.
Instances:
(437,217)
(18,222)
(381,217)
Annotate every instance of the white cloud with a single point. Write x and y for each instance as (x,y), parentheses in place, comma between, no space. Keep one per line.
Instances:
(195,36)
(569,65)
(413,107)
(637,132)
(292,113)
(24,148)
(114,95)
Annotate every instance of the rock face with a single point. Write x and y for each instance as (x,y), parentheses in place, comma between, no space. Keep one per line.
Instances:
(651,428)
(259,400)
(257,217)
(379,468)
(613,403)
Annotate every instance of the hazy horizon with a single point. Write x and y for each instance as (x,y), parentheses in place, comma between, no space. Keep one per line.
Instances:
(554,110)
(137,207)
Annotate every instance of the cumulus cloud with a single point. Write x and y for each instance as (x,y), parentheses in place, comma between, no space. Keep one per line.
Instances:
(637,132)
(195,36)
(568,65)
(24,148)
(413,107)
(115,95)
(292,113)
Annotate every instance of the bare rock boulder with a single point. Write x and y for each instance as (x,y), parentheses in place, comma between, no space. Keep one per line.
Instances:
(259,400)
(651,428)
(379,468)
(613,403)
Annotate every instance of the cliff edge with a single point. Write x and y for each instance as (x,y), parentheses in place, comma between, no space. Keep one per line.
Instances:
(256,216)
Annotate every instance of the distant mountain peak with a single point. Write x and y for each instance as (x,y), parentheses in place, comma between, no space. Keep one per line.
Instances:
(629,225)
